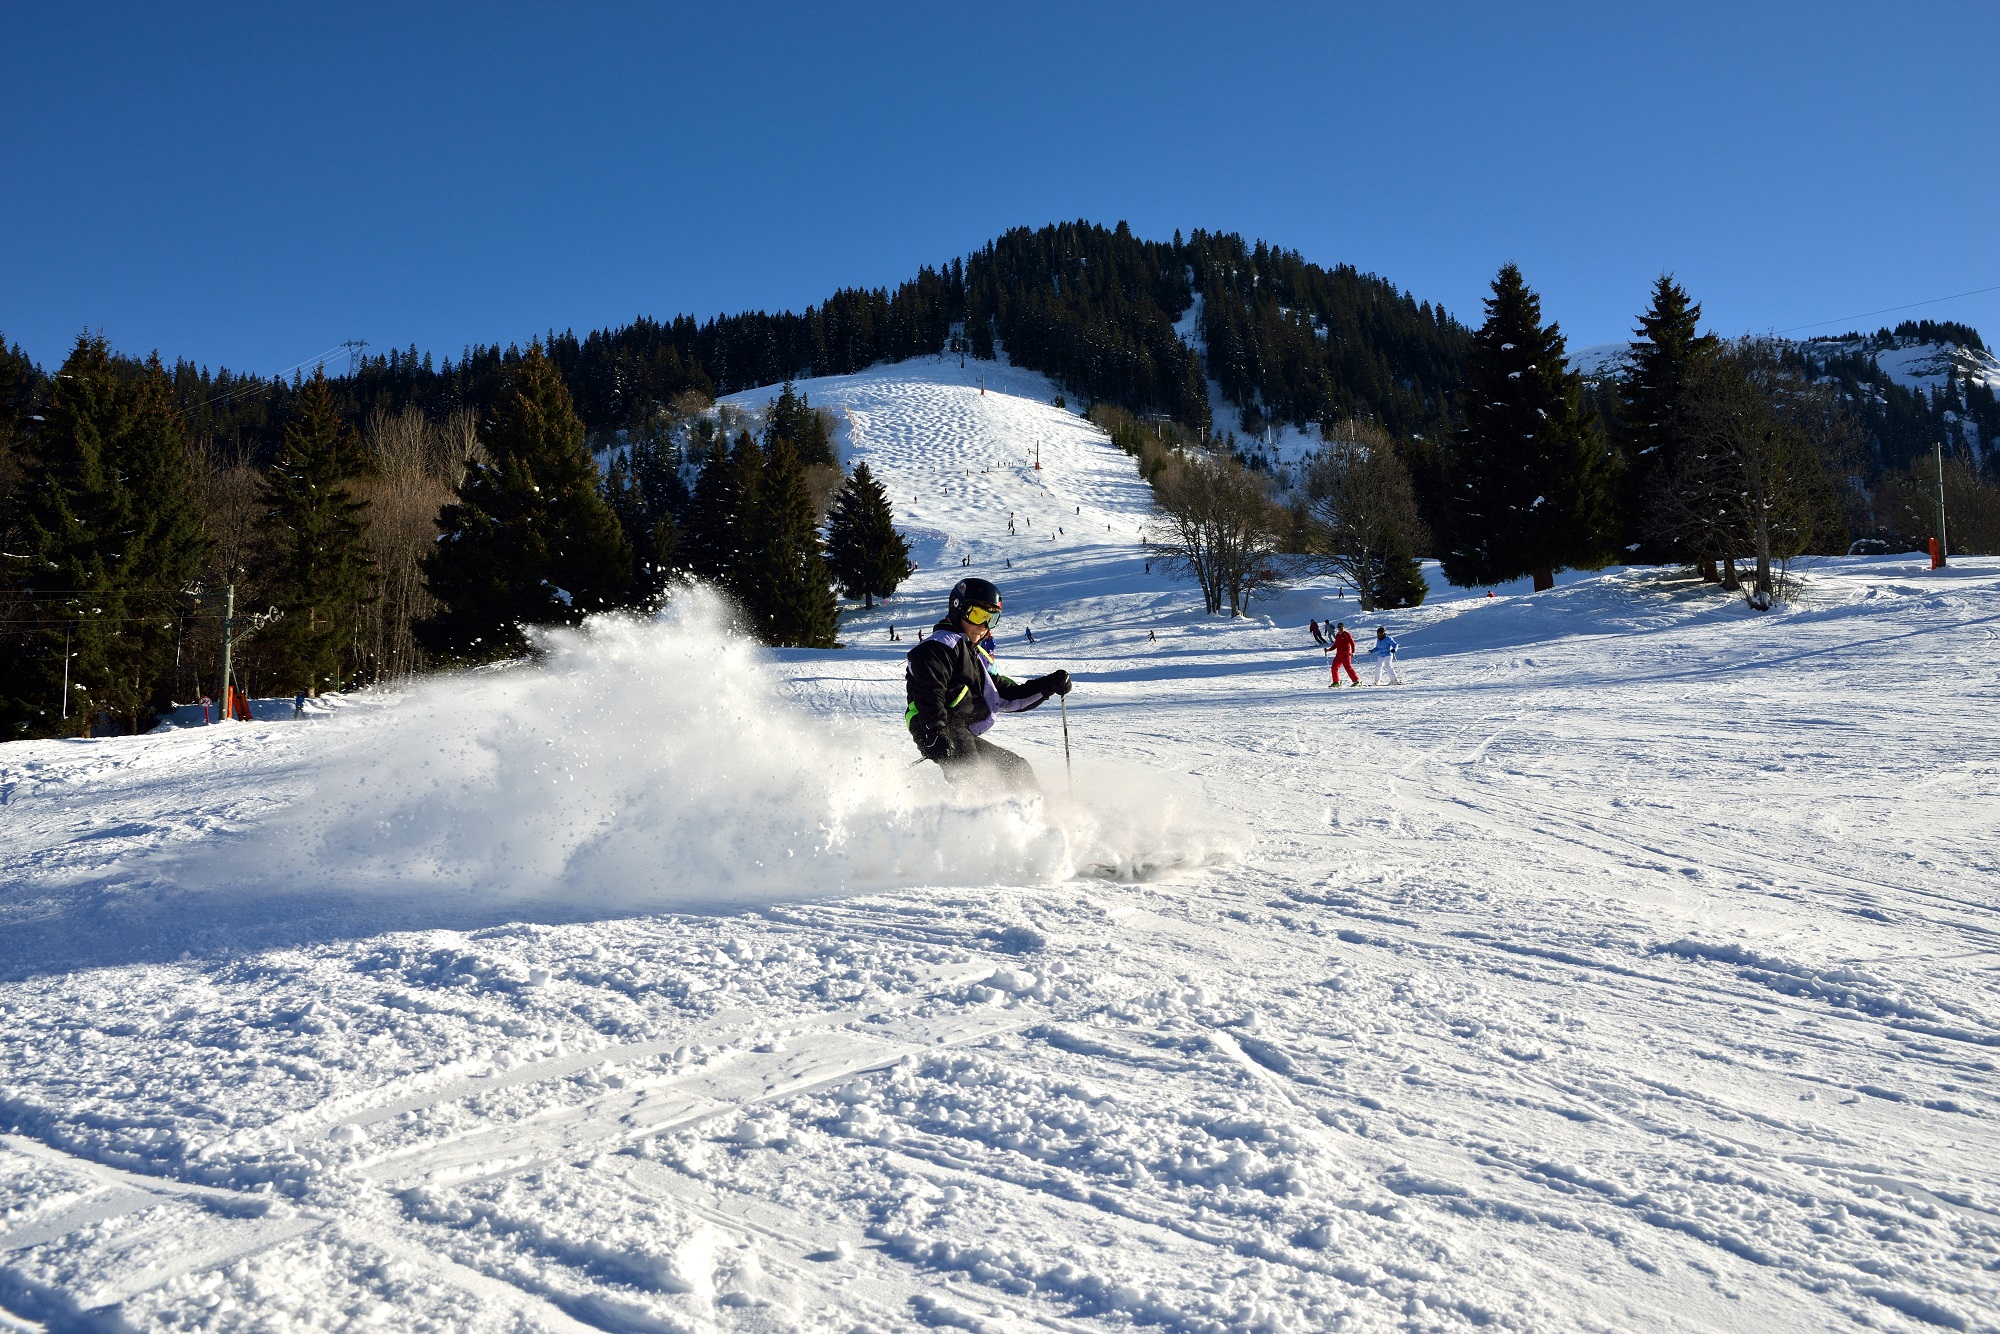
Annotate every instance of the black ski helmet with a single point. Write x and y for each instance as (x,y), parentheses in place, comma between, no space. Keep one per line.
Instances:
(972,593)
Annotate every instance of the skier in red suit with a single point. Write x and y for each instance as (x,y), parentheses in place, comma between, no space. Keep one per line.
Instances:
(1343,655)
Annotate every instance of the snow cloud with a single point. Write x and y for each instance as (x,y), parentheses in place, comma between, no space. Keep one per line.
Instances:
(656,764)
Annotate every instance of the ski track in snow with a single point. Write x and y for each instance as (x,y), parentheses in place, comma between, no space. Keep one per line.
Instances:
(1633,967)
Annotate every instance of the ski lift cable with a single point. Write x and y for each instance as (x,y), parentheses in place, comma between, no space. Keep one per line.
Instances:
(1890,310)
(251,383)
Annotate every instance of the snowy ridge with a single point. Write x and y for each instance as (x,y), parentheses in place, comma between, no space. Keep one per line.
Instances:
(1915,364)
(1909,362)
(1601,360)
(1630,968)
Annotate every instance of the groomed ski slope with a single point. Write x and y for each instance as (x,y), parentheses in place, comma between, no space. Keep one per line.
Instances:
(1631,967)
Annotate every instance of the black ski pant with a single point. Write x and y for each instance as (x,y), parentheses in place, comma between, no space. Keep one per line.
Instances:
(974,759)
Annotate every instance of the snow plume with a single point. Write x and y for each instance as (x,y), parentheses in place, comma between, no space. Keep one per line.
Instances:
(650,763)
(1136,824)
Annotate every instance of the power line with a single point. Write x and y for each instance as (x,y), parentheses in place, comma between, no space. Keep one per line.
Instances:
(252,383)
(1890,310)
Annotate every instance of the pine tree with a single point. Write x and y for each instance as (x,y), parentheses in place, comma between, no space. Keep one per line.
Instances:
(530,540)
(1530,481)
(783,577)
(315,568)
(792,419)
(867,556)
(656,472)
(648,523)
(19,382)
(746,483)
(1402,582)
(112,534)
(1650,433)
(708,542)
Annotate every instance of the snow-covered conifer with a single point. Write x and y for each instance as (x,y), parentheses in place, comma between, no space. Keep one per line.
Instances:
(530,540)
(1529,476)
(866,554)
(314,567)
(1650,427)
(782,575)
(110,532)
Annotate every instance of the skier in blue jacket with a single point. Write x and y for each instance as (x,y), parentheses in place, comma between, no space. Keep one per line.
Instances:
(1384,650)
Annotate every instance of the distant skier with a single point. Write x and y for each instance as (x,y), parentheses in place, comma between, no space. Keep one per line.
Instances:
(1384,649)
(299,705)
(954,694)
(1029,631)
(1318,638)
(1343,654)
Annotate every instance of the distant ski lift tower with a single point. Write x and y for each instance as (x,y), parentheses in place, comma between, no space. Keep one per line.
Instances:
(353,346)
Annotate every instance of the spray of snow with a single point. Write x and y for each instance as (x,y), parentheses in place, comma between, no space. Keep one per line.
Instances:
(655,763)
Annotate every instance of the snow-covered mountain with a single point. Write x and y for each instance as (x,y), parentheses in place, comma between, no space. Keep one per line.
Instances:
(1630,967)
(1910,390)
(1601,360)
(1913,363)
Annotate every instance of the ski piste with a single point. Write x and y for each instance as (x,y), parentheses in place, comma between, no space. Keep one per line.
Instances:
(1632,970)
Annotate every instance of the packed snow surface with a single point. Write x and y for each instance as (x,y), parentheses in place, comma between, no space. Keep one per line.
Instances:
(1631,967)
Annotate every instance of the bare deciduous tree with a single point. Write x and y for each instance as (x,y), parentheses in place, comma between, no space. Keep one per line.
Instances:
(1751,476)
(416,463)
(1361,519)
(1221,527)
(229,488)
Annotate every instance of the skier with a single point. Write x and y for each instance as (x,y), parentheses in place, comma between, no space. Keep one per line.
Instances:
(954,694)
(299,705)
(1029,631)
(1343,654)
(1318,638)
(1384,650)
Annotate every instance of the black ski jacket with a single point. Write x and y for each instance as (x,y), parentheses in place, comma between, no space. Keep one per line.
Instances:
(952,689)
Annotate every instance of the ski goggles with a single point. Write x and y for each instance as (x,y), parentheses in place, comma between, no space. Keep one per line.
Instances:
(979,615)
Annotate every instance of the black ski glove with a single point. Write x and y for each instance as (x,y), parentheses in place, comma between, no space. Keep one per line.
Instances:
(1056,683)
(936,746)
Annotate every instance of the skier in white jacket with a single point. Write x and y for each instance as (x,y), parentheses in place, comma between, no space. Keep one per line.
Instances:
(1384,649)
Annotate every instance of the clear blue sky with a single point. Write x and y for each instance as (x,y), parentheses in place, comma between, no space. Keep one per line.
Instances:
(250,186)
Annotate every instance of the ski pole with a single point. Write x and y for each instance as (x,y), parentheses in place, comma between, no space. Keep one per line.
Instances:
(1062,703)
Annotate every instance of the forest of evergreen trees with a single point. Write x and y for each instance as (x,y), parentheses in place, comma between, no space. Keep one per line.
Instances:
(418,510)
(1093,307)
(352,555)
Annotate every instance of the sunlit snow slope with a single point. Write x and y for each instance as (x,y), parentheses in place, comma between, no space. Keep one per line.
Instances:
(1631,967)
